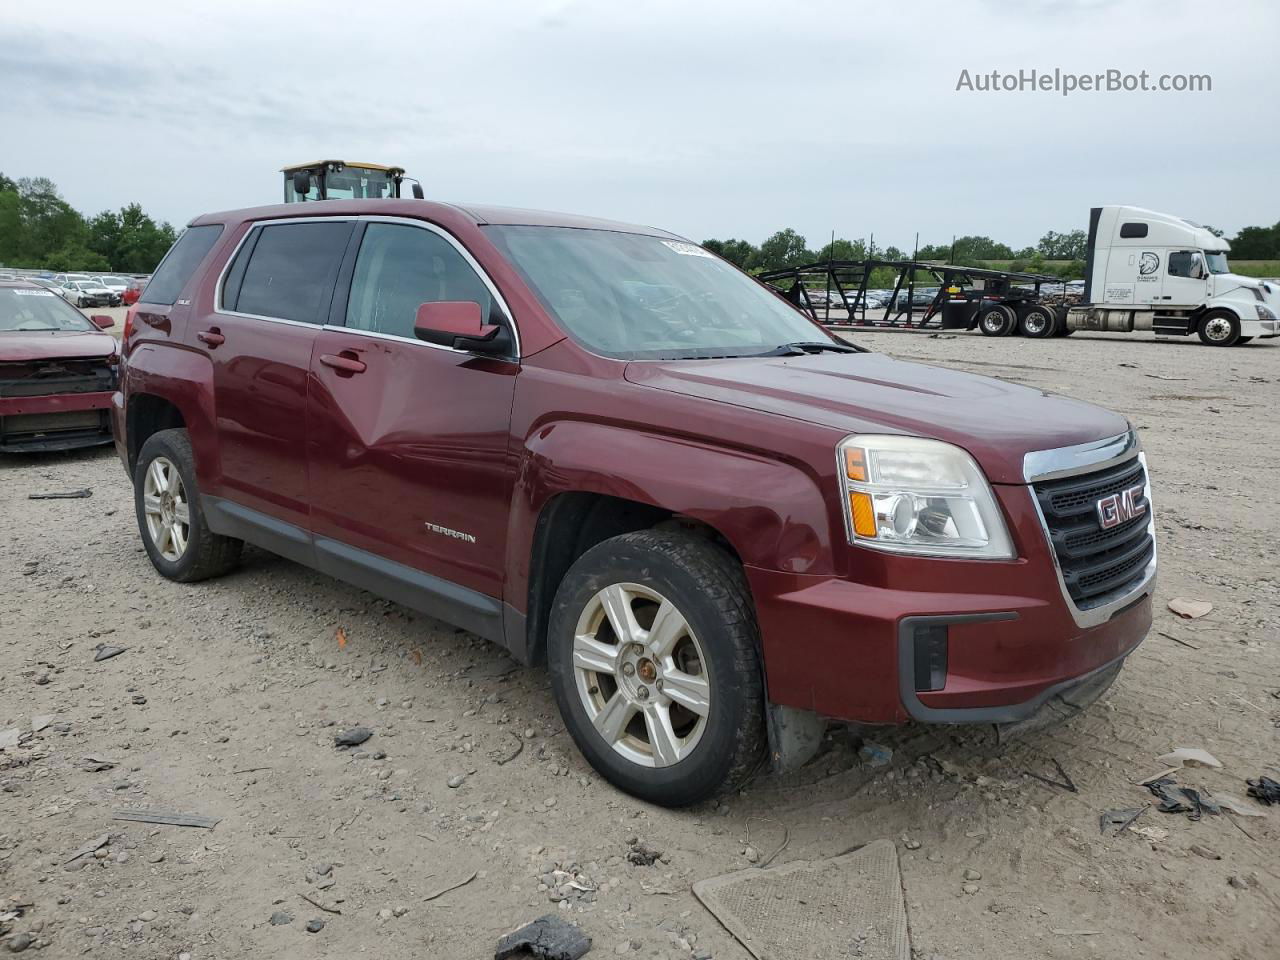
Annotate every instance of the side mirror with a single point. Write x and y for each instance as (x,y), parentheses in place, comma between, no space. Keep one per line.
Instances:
(301,182)
(102,321)
(460,324)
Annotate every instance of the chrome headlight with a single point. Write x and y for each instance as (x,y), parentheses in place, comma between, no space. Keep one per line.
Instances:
(918,496)
(1265,313)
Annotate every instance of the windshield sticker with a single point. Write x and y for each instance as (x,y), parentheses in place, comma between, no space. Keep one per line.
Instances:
(688,249)
(35,293)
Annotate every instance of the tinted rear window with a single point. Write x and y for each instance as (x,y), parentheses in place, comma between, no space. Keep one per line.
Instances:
(180,263)
(1133,231)
(290,273)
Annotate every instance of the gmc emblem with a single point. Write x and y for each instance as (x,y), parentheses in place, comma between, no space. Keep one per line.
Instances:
(1119,507)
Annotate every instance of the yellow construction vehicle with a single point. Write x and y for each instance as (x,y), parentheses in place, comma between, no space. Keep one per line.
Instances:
(339,180)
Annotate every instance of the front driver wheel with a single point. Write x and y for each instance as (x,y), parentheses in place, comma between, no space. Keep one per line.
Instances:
(1219,328)
(652,651)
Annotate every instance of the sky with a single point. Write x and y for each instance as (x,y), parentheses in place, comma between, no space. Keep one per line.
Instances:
(708,118)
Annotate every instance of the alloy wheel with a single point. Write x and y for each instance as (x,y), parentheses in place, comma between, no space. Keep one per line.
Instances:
(641,675)
(1218,329)
(165,506)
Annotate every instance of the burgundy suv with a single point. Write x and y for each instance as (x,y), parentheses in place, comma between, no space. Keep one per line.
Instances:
(602,447)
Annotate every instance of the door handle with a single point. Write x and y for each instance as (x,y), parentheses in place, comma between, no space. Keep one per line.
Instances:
(342,362)
(212,337)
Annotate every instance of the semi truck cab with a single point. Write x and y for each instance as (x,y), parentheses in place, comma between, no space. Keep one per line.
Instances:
(1168,275)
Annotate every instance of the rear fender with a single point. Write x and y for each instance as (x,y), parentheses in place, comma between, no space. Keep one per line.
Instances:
(185,379)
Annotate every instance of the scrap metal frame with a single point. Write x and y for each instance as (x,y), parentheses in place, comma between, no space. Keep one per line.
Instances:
(849,279)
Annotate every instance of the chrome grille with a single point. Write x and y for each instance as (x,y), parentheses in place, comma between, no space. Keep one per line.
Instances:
(1097,564)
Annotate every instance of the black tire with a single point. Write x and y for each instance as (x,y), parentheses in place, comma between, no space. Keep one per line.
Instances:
(997,320)
(206,554)
(708,589)
(1061,329)
(1037,321)
(1219,328)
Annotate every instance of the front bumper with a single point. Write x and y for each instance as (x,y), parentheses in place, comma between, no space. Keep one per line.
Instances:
(1260,328)
(846,650)
(54,422)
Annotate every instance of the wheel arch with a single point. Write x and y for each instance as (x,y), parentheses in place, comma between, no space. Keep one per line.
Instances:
(566,501)
(166,387)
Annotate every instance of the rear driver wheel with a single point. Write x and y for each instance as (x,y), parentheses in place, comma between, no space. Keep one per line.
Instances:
(652,650)
(171,519)
(1037,321)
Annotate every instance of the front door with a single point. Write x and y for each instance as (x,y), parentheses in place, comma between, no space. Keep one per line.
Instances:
(408,451)
(259,338)
(1185,281)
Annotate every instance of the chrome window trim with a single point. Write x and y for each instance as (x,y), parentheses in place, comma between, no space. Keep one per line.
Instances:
(1042,465)
(374,218)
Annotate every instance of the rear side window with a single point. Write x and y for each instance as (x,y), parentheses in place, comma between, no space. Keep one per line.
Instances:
(1133,231)
(288,271)
(399,269)
(180,263)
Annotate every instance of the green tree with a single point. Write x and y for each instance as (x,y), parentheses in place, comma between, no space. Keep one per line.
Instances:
(740,253)
(1257,243)
(1063,246)
(843,249)
(786,248)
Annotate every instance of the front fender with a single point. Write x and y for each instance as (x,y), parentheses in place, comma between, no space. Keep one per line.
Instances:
(773,513)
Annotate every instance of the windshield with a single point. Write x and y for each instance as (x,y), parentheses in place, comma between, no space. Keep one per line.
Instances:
(1216,260)
(37,310)
(631,297)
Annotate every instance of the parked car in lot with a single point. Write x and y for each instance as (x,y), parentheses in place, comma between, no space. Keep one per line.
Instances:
(132,291)
(89,293)
(48,284)
(57,372)
(117,285)
(605,449)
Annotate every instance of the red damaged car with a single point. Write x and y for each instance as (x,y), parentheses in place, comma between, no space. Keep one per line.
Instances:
(610,451)
(57,372)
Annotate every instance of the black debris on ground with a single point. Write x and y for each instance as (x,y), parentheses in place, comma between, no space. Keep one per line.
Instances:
(548,938)
(642,854)
(353,737)
(1264,790)
(1176,799)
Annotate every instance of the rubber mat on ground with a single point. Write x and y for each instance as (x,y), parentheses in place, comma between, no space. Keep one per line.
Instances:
(848,906)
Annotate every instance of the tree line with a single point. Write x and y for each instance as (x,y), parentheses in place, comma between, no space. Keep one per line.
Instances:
(1057,254)
(39,229)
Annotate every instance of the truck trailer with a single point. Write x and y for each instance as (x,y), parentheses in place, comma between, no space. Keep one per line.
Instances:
(1149,271)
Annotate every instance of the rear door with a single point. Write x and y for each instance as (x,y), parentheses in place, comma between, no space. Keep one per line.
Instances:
(266,315)
(409,441)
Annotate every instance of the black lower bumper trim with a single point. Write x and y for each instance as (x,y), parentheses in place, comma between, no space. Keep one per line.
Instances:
(1074,694)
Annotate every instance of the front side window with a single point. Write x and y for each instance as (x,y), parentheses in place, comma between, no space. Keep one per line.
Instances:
(290,270)
(632,296)
(37,311)
(1183,263)
(399,268)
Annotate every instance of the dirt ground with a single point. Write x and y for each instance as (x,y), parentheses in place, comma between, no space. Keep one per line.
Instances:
(227,698)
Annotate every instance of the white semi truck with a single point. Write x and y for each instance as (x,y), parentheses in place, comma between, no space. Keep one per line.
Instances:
(1148,271)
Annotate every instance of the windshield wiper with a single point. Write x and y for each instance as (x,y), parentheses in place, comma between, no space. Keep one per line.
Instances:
(803,347)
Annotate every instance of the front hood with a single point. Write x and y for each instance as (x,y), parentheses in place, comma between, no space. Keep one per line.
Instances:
(55,345)
(997,422)
(1225,283)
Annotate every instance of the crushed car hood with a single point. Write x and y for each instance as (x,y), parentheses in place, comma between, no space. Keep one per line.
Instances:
(55,345)
(996,421)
